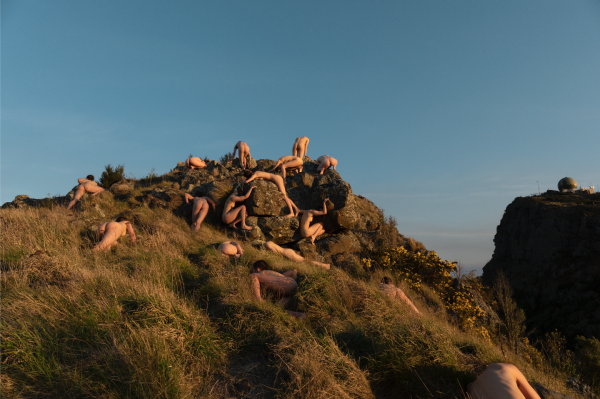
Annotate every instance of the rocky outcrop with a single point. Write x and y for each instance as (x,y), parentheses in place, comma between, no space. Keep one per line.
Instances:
(548,246)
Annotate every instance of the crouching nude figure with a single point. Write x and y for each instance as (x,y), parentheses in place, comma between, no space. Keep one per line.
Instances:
(288,163)
(199,210)
(325,162)
(243,152)
(278,180)
(110,232)
(195,163)
(300,148)
(87,185)
(291,254)
(306,230)
(231,248)
(501,381)
(283,285)
(394,292)
(233,216)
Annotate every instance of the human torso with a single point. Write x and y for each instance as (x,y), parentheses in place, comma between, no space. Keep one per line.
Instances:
(495,383)
(229,204)
(388,289)
(288,158)
(199,200)
(118,227)
(307,217)
(243,147)
(89,185)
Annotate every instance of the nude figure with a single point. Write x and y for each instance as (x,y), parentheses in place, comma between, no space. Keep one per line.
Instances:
(199,210)
(282,285)
(195,163)
(501,381)
(232,215)
(394,292)
(291,254)
(306,230)
(300,148)
(243,151)
(87,185)
(325,162)
(278,180)
(231,248)
(110,232)
(288,163)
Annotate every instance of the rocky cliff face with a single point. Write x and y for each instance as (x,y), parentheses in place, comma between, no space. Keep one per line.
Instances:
(549,248)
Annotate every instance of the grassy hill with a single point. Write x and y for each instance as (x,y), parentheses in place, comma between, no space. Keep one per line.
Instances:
(170,317)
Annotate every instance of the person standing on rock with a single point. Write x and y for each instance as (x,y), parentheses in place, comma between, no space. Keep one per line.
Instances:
(308,231)
(87,185)
(291,254)
(278,180)
(231,215)
(289,163)
(110,232)
(501,381)
(231,248)
(243,151)
(325,162)
(283,285)
(300,148)
(195,163)
(394,292)
(199,210)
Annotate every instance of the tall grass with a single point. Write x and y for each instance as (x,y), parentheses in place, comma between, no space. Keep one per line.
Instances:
(170,317)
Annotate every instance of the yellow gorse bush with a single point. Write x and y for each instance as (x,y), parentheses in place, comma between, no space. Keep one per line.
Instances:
(416,268)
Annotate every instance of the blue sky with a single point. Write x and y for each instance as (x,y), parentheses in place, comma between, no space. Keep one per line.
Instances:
(440,112)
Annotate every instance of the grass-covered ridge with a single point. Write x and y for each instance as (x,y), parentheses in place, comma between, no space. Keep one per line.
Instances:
(171,318)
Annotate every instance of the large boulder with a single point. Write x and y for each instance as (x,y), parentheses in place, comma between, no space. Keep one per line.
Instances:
(163,198)
(339,249)
(236,163)
(264,200)
(280,229)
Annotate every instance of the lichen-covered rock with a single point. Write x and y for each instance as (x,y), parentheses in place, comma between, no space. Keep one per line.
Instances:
(264,165)
(370,216)
(264,200)
(280,229)
(163,198)
(236,163)
(215,168)
(121,189)
(340,249)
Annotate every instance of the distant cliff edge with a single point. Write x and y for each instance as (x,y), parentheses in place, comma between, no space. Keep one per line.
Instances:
(549,248)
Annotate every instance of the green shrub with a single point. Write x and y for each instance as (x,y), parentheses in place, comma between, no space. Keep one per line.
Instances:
(228,157)
(588,356)
(111,175)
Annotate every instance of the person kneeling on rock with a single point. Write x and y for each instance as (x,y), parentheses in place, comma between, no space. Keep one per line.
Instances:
(233,216)
(394,292)
(282,285)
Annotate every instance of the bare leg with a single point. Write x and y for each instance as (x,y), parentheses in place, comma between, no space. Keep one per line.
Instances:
(402,296)
(200,216)
(291,273)
(295,164)
(323,265)
(293,208)
(110,237)
(78,194)
(313,231)
(232,218)
(295,150)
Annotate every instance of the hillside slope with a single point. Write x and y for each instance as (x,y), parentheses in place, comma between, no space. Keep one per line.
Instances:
(170,317)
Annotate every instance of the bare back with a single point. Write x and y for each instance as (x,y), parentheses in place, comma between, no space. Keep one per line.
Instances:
(91,187)
(242,147)
(502,381)
(119,228)
(229,204)
(228,249)
(307,217)
(278,180)
(288,158)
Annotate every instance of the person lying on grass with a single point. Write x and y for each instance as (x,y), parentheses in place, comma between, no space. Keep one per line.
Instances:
(231,249)
(199,210)
(110,232)
(87,185)
(501,381)
(282,285)
(394,292)
(291,254)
